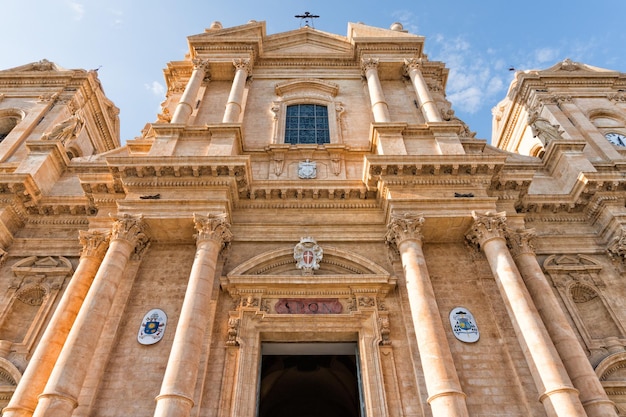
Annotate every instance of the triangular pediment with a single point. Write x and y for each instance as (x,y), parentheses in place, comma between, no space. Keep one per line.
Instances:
(40,66)
(568,66)
(251,31)
(360,30)
(306,41)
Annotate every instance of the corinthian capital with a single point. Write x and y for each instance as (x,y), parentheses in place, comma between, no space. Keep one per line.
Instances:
(213,227)
(404,226)
(243,63)
(201,64)
(133,229)
(486,227)
(94,242)
(412,64)
(368,64)
(520,241)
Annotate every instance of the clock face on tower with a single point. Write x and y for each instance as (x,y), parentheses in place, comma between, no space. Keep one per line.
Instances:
(616,139)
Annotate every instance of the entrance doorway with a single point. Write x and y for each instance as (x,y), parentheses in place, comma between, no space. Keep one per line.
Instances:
(309,380)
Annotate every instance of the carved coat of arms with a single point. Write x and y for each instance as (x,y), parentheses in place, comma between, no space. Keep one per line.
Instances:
(308,255)
(152,327)
(307,169)
(463,325)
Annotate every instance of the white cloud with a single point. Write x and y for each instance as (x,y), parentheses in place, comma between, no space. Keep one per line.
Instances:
(544,55)
(77,8)
(155,88)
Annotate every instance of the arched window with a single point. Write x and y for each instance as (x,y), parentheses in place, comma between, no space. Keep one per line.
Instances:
(307,124)
(7,123)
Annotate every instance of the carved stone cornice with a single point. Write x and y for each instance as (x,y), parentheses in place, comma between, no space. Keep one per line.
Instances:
(519,241)
(486,227)
(405,226)
(133,229)
(213,227)
(94,242)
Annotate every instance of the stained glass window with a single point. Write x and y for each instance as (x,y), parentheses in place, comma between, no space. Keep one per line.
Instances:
(307,123)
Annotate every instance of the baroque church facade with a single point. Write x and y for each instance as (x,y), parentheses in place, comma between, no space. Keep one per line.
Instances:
(307,229)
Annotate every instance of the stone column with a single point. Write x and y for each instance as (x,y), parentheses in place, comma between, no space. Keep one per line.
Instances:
(445,396)
(32,383)
(185,106)
(235,98)
(377,98)
(60,394)
(585,380)
(427,105)
(179,382)
(556,392)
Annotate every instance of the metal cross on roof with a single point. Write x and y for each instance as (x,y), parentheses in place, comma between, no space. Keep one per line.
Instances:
(307,18)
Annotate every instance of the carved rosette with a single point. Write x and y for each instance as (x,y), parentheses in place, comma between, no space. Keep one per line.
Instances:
(133,229)
(369,64)
(94,242)
(486,227)
(404,226)
(213,227)
(519,242)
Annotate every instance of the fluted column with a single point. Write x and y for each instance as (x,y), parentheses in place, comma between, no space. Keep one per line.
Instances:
(179,382)
(60,394)
(185,106)
(235,98)
(556,392)
(412,67)
(32,383)
(377,98)
(445,396)
(585,380)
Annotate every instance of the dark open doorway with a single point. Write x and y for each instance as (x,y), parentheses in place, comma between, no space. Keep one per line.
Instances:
(297,381)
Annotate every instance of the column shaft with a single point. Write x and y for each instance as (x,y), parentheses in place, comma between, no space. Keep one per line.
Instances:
(446,398)
(32,383)
(185,106)
(585,380)
(377,98)
(60,394)
(235,98)
(179,382)
(427,105)
(556,392)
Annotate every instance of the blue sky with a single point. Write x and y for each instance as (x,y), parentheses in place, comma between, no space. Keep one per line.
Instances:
(130,41)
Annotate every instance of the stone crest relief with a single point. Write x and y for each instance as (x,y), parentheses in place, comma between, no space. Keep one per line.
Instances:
(464,325)
(308,255)
(307,170)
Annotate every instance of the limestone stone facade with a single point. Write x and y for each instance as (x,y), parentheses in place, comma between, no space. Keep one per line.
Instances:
(384,263)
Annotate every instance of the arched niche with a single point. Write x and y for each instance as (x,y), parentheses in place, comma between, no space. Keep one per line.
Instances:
(612,374)
(9,378)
